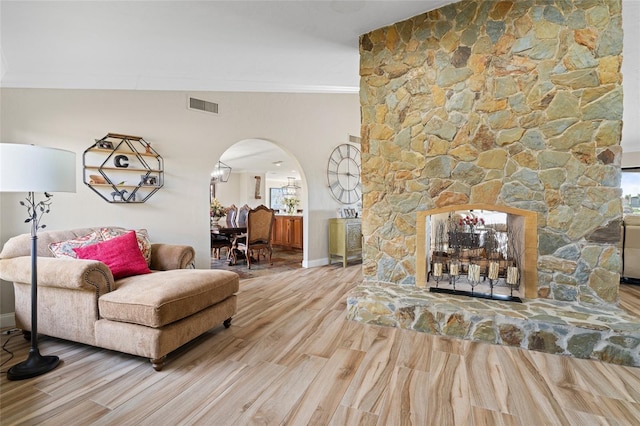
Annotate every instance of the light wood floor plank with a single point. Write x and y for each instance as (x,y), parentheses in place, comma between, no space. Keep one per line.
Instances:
(292,358)
(66,388)
(82,412)
(366,391)
(487,380)
(530,398)
(448,397)
(358,338)
(406,402)
(415,350)
(121,390)
(630,298)
(20,412)
(282,337)
(223,407)
(320,337)
(580,418)
(350,416)
(152,401)
(323,395)
(274,404)
(620,411)
(182,407)
(596,378)
(569,386)
(486,417)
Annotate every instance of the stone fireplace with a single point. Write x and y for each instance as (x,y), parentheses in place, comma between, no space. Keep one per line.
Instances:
(505,103)
(515,105)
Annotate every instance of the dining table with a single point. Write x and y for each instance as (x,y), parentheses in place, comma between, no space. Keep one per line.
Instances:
(231,233)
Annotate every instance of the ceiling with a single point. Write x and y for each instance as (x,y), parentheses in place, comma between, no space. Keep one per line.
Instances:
(261,156)
(282,46)
(268,46)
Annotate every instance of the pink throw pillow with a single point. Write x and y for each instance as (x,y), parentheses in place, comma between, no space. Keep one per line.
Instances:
(120,254)
(141,234)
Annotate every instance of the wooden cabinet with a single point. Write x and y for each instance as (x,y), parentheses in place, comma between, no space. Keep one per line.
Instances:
(277,232)
(287,232)
(345,239)
(123,169)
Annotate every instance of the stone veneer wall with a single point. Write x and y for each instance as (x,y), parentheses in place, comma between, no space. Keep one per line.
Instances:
(515,103)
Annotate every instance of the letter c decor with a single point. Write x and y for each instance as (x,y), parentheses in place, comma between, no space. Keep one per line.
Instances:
(118,161)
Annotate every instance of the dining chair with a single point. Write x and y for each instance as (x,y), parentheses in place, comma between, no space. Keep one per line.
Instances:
(242,216)
(232,214)
(241,222)
(258,236)
(219,241)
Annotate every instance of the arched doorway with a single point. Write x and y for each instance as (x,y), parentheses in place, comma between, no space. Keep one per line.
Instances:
(255,172)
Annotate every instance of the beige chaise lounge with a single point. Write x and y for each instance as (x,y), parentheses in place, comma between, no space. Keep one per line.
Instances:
(147,315)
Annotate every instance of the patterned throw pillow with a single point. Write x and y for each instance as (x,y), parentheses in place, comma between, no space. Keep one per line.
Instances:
(65,248)
(142,236)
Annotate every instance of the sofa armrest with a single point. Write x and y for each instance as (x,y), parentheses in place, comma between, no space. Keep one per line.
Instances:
(74,274)
(165,257)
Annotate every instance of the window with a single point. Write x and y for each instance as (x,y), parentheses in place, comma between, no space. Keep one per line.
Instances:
(631,190)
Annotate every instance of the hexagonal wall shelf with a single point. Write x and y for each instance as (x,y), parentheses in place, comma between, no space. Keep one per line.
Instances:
(123,169)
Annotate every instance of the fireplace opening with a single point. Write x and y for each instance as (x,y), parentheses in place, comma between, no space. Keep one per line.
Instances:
(478,250)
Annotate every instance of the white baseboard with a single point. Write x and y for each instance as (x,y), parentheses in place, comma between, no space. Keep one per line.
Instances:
(8,320)
(315,262)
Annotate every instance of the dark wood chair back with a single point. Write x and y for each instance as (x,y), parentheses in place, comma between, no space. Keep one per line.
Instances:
(258,238)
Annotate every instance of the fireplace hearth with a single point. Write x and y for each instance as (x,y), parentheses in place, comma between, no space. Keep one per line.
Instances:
(572,329)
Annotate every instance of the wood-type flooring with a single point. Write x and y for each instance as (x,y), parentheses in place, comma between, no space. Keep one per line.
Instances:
(291,357)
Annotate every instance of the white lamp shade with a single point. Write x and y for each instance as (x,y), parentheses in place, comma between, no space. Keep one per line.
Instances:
(31,168)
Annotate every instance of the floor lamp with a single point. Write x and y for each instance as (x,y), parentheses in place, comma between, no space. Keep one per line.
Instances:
(31,169)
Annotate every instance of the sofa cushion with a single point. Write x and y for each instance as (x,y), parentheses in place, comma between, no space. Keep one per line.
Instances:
(164,297)
(121,254)
(65,248)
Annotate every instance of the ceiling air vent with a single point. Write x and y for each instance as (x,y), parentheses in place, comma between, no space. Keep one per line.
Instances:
(200,105)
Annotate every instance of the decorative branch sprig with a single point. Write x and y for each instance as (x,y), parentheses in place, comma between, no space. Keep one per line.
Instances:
(514,246)
(36,210)
(440,235)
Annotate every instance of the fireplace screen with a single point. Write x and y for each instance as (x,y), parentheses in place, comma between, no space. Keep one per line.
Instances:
(475,253)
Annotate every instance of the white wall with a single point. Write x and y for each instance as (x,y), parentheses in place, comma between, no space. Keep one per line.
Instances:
(309,126)
(240,190)
(279,183)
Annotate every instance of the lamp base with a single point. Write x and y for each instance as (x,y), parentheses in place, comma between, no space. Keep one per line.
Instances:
(35,365)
